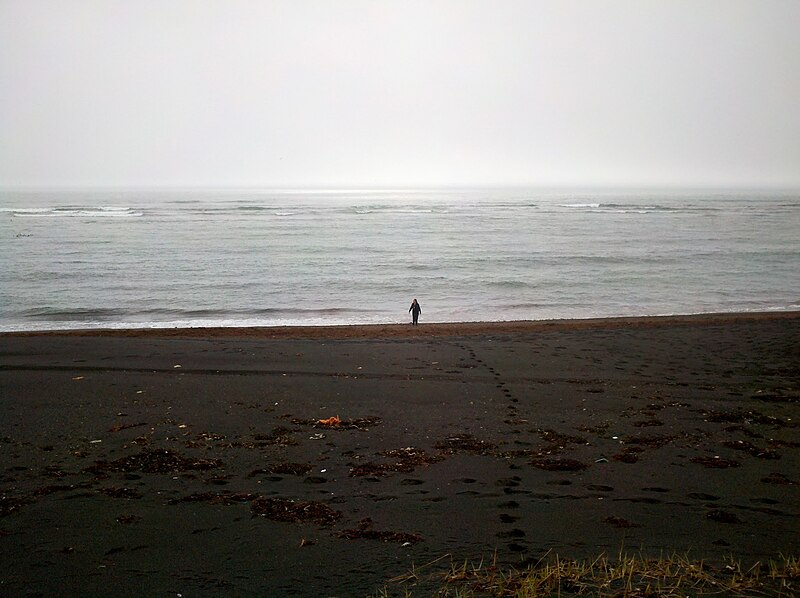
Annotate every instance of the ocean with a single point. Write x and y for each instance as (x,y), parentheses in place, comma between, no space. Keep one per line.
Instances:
(130,259)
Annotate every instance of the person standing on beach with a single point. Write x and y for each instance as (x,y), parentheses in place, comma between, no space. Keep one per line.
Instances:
(415,310)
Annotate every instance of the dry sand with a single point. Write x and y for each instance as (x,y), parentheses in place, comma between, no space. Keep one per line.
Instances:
(192,462)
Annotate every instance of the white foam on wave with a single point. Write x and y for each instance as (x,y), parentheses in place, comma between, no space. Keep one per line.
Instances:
(195,323)
(74,212)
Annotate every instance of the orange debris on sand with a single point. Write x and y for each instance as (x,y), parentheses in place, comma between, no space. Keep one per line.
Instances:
(331,421)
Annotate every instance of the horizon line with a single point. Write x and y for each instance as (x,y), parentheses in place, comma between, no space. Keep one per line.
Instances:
(328,189)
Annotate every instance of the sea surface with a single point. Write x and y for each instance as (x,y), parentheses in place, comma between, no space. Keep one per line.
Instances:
(121,259)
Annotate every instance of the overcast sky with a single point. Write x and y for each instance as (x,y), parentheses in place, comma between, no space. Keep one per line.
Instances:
(342,93)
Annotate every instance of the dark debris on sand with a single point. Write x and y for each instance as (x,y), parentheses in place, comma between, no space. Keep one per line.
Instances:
(744,430)
(154,461)
(280,509)
(776,398)
(47,490)
(403,460)
(722,516)
(120,427)
(225,498)
(751,449)
(9,504)
(361,423)
(276,509)
(715,462)
(120,492)
(406,460)
(778,479)
(630,454)
(466,443)
(280,436)
(620,522)
(283,469)
(558,441)
(653,441)
(558,464)
(365,531)
(745,417)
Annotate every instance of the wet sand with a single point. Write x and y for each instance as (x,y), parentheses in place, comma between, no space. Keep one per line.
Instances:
(193,462)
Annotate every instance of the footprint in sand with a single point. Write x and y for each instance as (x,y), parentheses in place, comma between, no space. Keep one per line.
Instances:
(765,501)
(508,482)
(641,499)
(722,516)
(702,496)
(512,533)
(506,518)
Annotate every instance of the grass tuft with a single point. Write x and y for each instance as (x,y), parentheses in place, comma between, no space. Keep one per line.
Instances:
(626,576)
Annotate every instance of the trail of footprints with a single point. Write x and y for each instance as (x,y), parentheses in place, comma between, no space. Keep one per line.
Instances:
(516,536)
(511,408)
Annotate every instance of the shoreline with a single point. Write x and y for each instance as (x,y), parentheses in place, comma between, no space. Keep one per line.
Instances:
(405,330)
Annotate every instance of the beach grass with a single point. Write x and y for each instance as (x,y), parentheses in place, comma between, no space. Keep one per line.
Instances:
(624,576)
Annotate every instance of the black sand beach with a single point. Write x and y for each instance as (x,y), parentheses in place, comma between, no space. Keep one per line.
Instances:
(193,462)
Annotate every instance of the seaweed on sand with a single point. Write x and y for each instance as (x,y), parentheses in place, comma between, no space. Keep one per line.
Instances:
(114,492)
(722,516)
(403,460)
(335,423)
(559,441)
(225,498)
(365,531)
(464,442)
(751,449)
(154,461)
(280,509)
(620,522)
(778,479)
(9,504)
(715,462)
(745,417)
(558,464)
(285,468)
